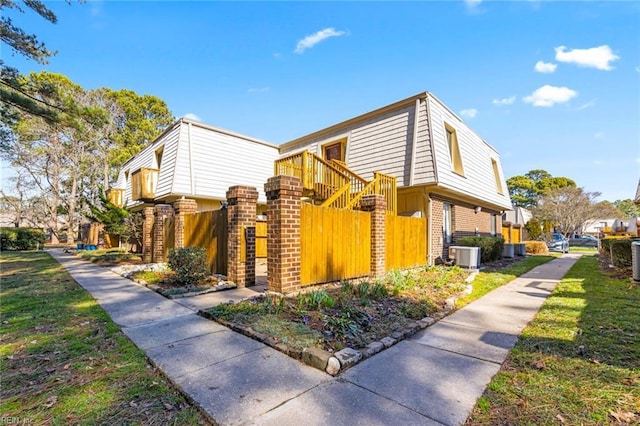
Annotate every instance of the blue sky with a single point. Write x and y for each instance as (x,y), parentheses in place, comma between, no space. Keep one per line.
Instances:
(551,85)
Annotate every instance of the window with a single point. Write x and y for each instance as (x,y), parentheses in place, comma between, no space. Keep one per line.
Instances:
(496,176)
(447,223)
(494,217)
(334,150)
(158,158)
(454,150)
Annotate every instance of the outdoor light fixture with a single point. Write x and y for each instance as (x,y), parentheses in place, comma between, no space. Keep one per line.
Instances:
(478,209)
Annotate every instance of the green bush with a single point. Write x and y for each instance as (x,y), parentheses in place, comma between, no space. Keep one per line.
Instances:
(619,249)
(21,238)
(189,264)
(490,247)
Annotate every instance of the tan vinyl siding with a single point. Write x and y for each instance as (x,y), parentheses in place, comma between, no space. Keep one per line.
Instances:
(381,143)
(424,170)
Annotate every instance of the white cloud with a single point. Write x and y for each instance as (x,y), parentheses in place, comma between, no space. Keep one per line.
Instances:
(598,135)
(311,40)
(258,90)
(192,116)
(637,69)
(545,67)
(277,55)
(504,101)
(586,105)
(595,57)
(471,4)
(469,112)
(548,96)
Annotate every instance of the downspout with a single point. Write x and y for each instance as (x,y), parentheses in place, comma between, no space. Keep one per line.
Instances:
(193,184)
(431,141)
(414,143)
(427,198)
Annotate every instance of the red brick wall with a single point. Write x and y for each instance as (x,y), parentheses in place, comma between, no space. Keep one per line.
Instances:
(465,221)
(162,211)
(182,208)
(147,234)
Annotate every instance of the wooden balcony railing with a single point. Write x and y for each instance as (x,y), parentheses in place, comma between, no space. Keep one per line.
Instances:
(143,184)
(334,184)
(116,196)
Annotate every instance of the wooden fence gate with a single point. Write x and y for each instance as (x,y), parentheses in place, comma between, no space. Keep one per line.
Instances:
(169,233)
(405,241)
(209,230)
(335,244)
(261,238)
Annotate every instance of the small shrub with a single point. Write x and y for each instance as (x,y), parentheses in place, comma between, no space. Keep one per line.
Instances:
(21,239)
(189,264)
(536,247)
(490,247)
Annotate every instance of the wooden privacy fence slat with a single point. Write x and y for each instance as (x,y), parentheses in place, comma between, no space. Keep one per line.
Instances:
(209,230)
(515,235)
(406,242)
(261,239)
(169,235)
(335,244)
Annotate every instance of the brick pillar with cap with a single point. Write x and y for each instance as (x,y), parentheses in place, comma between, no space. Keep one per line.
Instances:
(283,233)
(376,204)
(242,203)
(162,211)
(182,208)
(147,234)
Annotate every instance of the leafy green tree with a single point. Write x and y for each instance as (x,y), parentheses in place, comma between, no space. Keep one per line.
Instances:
(525,189)
(117,221)
(627,208)
(13,95)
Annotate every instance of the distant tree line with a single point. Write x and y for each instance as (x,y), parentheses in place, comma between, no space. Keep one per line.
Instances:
(64,142)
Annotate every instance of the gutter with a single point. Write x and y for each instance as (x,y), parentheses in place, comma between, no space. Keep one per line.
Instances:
(193,183)
(431,142)
(414,143)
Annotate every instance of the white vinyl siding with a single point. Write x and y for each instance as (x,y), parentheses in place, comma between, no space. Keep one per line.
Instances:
(479,180)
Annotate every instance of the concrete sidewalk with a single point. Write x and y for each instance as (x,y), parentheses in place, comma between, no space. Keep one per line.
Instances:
(433,378)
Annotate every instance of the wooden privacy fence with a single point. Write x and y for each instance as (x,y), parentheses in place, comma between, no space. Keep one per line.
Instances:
(209,230)
(405,241)
(335,244)
(512,234)
(261,238)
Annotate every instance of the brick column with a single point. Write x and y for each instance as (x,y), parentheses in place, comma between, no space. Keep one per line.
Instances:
(377,205)
(283,233)
(162,211)
(147,234)
(182,208)
(242,203)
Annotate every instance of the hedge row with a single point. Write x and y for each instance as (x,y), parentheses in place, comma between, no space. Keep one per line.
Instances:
(21,239)
(619,249)
(490,247)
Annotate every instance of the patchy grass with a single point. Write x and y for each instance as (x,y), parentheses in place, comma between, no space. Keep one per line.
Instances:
(110,257)
(493,278)
(64,362)
(586,250)
(578,362)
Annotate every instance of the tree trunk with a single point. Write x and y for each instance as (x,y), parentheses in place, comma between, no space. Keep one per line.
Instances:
(72,210)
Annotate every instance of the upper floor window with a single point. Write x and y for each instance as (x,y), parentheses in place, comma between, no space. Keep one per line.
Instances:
(334,150)
(454,150)
(158,158)
(496,175)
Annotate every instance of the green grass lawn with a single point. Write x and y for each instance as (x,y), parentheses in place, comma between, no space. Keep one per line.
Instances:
(62,360)
(484,282)
(578,362)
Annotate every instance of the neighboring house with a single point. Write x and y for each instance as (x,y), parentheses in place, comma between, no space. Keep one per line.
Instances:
(637,198)
(196,161)
(444,171)
(518,216)
(597,227)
